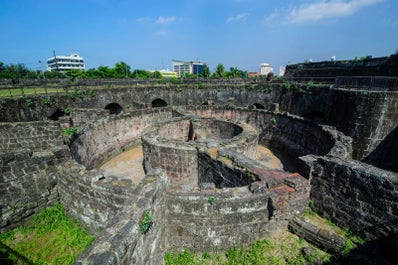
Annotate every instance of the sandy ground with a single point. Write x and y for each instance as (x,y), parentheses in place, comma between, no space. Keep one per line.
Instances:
(128,165)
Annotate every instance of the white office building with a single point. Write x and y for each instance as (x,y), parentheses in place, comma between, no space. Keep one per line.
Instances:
(62,63)
(188,67)
(265,69)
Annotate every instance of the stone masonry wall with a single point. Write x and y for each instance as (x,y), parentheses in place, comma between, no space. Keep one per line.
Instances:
(369,117)
(356,195)
(38,136)
(90,197)
(28,184)
(121,242)
(292,134)
(102,139)
(253,203)
(80,116)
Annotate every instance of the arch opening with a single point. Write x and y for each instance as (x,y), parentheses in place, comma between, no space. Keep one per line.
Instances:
(258,106)
(114,108)
(159,103)
(56,114)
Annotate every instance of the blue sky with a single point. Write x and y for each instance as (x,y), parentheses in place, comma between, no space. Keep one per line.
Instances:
(237,33)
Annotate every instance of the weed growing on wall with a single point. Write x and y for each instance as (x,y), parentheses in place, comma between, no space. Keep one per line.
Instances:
(51,238)
(48,102)
(146,222)
(29,103)
(273,120)
(69,131)
(67,111)
(211,200)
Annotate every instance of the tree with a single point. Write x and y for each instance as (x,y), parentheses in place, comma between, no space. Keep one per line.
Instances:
(121,70)
(139,73)
(73,74)
(206,72)
(219,71)
(157,75)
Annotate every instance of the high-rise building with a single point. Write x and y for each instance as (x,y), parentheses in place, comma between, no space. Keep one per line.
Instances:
(188,67)
(62,63)
(265,69)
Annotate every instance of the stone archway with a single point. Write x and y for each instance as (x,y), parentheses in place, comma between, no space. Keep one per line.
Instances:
(114,108)
(56,114)
(159,103)
(258,106)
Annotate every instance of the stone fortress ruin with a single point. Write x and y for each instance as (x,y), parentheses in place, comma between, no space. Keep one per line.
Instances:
(202,178)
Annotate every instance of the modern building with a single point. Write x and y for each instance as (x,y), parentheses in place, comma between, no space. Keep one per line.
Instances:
(265,69)
(166,73)
(188,67)
(62,63)
(282,70)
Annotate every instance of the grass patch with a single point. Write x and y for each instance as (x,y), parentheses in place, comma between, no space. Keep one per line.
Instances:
(17,92)
(282,249)
(51,238)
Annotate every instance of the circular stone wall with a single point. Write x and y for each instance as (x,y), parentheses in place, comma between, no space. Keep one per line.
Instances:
(173,145)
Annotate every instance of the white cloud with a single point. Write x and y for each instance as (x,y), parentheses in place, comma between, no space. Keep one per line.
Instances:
(165,20)
(326,9)
(143,20)
(270,19)
(239,17)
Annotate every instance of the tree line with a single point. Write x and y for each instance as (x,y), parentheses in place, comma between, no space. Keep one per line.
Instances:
(15,72)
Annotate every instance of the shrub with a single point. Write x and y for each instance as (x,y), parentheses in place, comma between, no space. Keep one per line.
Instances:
(146,222)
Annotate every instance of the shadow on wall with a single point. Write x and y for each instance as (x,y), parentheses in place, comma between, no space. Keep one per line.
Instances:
(114,108)
(385,155)
(382,251)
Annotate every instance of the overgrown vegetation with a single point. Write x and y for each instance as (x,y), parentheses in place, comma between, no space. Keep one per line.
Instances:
(352,240)
(51,238)
(283,248)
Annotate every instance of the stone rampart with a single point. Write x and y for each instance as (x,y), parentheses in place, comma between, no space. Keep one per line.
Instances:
(370,118)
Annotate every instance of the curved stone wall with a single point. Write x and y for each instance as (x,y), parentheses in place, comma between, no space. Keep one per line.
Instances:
(102,139)
(288,133)
(166,145)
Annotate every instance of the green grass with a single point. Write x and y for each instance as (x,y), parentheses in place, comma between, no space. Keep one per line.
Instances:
(51,238)
(281,249)
(17,92)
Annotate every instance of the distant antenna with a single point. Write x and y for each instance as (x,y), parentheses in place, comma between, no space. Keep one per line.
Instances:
(56,61)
